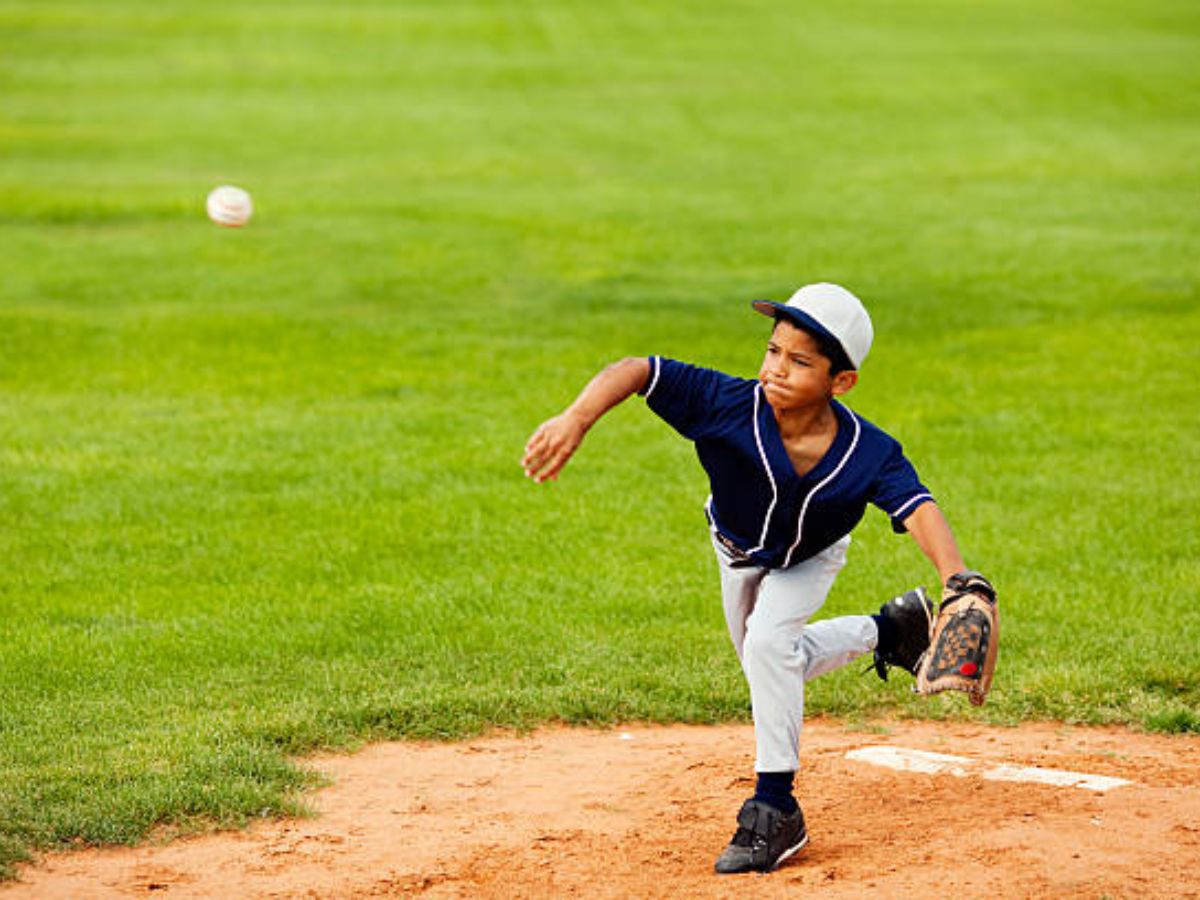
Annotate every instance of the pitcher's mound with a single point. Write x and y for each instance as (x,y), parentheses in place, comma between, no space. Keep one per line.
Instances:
(643,811)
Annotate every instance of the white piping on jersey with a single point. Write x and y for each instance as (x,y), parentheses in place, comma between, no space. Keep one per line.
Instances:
(762,538)
(787,560)
(910,503)
(654,380)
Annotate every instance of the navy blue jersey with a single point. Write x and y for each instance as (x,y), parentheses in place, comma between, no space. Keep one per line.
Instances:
(758,503)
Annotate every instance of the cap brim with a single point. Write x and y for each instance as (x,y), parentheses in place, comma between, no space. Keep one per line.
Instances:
(796,317)
(766,307)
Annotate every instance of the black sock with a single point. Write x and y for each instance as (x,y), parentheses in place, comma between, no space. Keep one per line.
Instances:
(775,789)
(887,634)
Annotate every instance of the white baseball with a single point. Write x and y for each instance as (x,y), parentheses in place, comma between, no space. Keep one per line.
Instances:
(230,206)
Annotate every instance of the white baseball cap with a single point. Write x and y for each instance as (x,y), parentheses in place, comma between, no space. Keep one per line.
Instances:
(829,310)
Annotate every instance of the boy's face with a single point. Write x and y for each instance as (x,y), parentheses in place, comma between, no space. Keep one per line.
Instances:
(795,374)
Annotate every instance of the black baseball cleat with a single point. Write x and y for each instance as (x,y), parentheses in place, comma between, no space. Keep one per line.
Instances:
(765,838)
(904,632)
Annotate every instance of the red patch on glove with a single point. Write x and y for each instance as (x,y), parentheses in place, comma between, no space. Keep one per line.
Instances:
(968,668)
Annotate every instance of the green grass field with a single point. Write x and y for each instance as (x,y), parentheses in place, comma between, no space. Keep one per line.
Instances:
(260,489)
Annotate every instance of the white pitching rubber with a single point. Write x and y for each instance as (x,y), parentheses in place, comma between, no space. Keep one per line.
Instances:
(903,759)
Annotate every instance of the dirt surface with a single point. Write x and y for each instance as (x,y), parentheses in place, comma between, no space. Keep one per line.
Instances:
(643,812)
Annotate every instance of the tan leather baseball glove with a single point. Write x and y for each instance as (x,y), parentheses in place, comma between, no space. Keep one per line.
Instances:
(966,640)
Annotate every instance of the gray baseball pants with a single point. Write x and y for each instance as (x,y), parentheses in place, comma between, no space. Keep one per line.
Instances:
(768,612)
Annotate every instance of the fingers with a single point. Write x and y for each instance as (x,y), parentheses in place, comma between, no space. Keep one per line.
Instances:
(537,451)
(544,462)
(547,451)
(550,469)
(533,448)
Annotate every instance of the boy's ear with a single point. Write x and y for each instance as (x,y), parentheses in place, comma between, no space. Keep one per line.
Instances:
(843,381)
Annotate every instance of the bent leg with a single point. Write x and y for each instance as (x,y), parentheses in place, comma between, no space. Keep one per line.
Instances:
(831,643)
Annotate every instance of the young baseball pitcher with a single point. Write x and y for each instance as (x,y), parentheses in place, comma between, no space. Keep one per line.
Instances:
(791,470)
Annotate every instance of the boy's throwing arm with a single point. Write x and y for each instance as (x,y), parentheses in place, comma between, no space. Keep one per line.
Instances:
(556,440)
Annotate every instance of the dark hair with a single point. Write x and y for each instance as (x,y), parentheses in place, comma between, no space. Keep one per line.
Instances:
(830,348)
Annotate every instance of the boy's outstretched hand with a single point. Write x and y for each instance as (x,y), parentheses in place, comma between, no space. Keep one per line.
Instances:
(557,439)
(552,444)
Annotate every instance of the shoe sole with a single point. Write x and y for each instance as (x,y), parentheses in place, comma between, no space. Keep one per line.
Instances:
(788,854)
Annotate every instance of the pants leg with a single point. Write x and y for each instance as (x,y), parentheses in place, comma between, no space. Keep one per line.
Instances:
(832,643)
(767,612)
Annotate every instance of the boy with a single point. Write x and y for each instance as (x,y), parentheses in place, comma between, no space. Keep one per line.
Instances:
(791,471)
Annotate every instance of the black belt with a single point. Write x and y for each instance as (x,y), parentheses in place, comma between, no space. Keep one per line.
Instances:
(741,559)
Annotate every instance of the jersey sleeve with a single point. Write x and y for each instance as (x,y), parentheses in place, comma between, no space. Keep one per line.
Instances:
(898,490)
(684,396)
